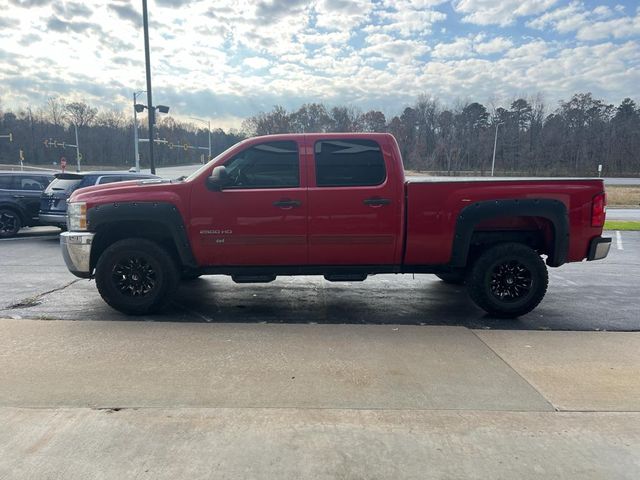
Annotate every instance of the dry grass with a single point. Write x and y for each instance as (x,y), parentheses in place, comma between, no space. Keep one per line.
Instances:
(623,196)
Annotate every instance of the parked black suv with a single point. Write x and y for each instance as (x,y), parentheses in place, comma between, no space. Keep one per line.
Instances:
(53,202)
(19,200)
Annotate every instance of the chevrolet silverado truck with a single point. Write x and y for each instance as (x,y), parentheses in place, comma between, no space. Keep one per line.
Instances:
(336,205)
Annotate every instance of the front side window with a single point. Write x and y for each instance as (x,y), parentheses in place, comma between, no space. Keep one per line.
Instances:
(342,163)
(267,165)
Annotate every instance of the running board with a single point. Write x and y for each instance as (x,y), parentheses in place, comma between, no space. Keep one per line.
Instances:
(346,277)
(253,278)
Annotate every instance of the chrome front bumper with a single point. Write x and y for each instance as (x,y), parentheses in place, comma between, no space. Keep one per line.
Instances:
(76,250)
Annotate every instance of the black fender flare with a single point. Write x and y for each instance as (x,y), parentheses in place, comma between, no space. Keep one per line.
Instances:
(161,213)
(553,210)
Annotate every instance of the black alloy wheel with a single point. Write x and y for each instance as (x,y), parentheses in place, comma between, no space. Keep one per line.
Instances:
(136,276)
(508,280)
(10,223)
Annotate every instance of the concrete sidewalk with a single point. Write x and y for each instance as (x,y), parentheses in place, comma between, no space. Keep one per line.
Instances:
(168,400)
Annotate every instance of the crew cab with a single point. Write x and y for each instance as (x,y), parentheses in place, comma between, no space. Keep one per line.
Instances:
(336,205)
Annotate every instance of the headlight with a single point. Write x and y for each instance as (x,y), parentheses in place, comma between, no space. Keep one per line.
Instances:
(77,216)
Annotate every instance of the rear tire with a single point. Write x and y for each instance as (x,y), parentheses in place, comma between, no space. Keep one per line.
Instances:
(136,276)
(10,223)
(508,280)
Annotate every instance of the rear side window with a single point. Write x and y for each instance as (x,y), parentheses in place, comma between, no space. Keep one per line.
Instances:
(268,165)
(342,163)
(32,183)
(6,182)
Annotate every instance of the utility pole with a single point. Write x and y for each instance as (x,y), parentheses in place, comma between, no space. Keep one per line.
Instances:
(495,143)
(151,110)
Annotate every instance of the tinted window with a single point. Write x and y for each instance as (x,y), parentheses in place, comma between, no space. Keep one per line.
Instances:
(32,183)
(6,182)
(63,185)
(268,165)
(342,163)
(110,179)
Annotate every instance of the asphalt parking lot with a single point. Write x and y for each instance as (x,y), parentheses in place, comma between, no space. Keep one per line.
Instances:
(602,296)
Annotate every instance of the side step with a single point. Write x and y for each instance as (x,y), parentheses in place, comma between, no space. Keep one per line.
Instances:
(346,277)
(253,278)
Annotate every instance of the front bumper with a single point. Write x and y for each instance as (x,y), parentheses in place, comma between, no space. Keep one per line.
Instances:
(56,219)
(76,250)
(599,248)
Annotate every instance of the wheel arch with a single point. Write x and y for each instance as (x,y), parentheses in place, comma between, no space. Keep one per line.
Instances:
(553,212)
(155,221)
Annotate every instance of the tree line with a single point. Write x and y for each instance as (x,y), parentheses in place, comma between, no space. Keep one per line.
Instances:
(573,139)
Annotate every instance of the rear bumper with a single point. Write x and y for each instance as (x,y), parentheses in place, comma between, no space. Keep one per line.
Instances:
(57,219)
(76,251)
(599,248)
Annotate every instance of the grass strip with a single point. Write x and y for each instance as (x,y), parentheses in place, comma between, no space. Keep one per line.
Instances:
(621,225)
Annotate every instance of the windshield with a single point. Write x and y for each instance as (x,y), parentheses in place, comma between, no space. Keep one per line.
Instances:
(208,164)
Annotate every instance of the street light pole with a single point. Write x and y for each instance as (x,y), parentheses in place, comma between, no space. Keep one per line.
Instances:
(495,143)
(151,111)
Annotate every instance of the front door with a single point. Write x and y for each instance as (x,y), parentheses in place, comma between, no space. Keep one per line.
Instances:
(260,218)
(354,206)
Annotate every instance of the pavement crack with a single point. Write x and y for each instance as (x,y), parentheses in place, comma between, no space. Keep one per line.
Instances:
(29,302)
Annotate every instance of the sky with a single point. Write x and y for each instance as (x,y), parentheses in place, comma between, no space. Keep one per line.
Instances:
(225,60)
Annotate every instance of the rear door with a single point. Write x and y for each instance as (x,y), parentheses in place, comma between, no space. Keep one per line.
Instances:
(354,205)
(260,218)
(29,191)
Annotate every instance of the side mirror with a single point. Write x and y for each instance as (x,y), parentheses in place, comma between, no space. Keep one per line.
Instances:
(219,178)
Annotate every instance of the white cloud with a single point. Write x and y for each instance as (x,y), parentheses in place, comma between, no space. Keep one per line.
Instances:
(256,62)
(588,25)
(502,12)
(471,46)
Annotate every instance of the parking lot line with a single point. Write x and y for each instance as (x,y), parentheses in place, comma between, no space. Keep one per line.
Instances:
(619,240)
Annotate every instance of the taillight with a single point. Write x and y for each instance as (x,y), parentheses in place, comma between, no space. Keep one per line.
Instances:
(599,210)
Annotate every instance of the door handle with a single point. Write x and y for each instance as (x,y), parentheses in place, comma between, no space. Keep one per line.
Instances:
(285,203)
(377,202)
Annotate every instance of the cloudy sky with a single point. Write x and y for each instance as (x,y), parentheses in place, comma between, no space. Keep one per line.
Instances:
(227,59)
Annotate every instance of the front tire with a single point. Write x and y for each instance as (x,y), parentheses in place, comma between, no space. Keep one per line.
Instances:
(136,276)
(10,223)
(508,280)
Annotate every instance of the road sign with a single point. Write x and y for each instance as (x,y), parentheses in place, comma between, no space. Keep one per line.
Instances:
(79,156)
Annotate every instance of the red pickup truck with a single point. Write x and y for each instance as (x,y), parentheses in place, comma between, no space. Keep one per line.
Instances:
(336,205)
